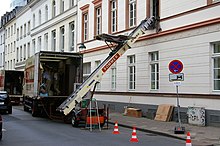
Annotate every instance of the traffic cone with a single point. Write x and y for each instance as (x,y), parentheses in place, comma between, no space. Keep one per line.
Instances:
(188,140)
(116,128)
(134,136)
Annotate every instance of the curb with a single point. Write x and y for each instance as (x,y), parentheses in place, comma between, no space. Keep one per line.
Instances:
(160,133)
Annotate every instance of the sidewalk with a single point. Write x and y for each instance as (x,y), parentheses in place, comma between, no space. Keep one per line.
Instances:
(201,136)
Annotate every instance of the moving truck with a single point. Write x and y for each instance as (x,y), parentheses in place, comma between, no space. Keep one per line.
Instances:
(49,78)
(12,82)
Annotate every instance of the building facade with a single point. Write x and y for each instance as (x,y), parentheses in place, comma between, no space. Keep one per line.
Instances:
(2,47)
(190,33)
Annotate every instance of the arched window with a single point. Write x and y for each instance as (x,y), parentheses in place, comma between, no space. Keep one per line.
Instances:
(46,13)
(39,17)
(54,8)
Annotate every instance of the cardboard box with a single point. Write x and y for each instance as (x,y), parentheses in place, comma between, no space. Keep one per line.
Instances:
(133,112)
(164,112)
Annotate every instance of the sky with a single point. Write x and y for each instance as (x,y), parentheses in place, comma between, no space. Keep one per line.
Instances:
(4,6)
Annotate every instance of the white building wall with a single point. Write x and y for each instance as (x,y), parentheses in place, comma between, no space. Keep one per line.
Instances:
(2,48)
(191,46)
(22,19)
(173,7)
(61,19)
(10,51)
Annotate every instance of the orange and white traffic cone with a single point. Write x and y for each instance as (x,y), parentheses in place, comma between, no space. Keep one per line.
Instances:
(134,136)
(116,131)
(188,140)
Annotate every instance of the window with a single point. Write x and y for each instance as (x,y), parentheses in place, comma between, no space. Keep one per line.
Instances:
(29,27)
(86,70)
(28,50)
(53,40)
(216,65)
(54,8)
(113,76)
(6,31)
(154,70)
(17,54)
(21,32)
(25,30)
(85,26)
(39,18)
(132,13)
(34,45)
(11,30)
(62,38)
(98,21)
(61,6)
(8,48)
(131,72)
(154,8)
(46,13)
(11,47)
(21,53)
(25,51)
(14,46)
(39,44)
(33,20)
(72,3)
(14,28)
(46,41)
(72,36)
(17,34)
(13,63)
(113,16)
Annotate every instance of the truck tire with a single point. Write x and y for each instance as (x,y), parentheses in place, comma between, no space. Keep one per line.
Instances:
(10,110)
(74,121)
(33,110)
(0,136)
(26,108)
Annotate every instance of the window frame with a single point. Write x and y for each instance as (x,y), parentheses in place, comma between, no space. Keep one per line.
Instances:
(113,76)
(72,36)
(154,76)
(53,8)
(113,27)
(98,20)
(215,56)
(53,39)
(62,38)
(131,63)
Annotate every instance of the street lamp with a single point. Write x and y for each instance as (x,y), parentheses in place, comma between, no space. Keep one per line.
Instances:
(82,46)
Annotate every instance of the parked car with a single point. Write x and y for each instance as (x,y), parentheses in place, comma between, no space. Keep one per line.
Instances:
(0,127)
(5,102)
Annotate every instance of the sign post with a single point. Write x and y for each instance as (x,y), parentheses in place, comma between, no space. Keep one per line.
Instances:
(176,67)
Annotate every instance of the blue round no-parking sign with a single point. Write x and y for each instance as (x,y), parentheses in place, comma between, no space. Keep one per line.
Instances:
(175,66)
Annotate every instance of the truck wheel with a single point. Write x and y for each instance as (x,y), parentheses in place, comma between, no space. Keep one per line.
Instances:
(74,121)
(1,136)
(34,113)
(10,110)
(26,108)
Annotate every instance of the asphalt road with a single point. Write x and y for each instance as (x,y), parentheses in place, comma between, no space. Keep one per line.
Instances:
(21,129)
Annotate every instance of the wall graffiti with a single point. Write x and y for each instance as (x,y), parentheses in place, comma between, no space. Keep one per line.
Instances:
(196,116)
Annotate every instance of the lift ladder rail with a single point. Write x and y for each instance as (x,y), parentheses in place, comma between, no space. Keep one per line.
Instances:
(69,104)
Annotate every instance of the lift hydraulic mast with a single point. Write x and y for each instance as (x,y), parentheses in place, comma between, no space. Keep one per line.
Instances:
(123,44)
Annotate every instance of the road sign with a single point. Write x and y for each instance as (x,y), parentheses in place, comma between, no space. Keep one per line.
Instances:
(176,77)
(175,66)
(177,83)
